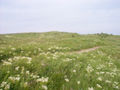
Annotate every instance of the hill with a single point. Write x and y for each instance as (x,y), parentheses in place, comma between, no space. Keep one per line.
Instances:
(59,61)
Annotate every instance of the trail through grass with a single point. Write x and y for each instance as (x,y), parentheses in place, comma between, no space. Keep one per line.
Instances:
(86,50)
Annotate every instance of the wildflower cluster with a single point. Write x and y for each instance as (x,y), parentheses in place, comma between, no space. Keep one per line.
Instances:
(15,59)
(57,49)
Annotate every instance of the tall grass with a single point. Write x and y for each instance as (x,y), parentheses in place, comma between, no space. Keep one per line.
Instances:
(41,61)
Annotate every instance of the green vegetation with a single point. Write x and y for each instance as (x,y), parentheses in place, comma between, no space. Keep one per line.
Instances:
(46,61)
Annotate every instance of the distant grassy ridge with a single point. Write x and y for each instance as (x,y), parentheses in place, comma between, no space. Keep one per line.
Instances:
(32,41)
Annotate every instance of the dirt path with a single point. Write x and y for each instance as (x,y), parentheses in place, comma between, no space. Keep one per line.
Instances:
(86,50)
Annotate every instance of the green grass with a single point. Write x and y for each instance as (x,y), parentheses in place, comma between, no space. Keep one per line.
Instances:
(41,61)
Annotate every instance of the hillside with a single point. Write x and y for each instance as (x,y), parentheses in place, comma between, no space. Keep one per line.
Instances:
(59,61)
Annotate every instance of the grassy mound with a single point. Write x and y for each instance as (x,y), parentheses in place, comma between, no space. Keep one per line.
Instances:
(41,61)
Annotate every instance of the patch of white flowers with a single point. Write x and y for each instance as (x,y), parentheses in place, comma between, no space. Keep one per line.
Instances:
(89,68)
(14,78)
(42,79)
(66,79)
(44,87)
(6,63)
(5,85)
(56,48)
(15,59)
(68,59)
(116,85)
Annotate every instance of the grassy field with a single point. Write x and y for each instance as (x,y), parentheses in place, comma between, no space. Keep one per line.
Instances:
(46,61)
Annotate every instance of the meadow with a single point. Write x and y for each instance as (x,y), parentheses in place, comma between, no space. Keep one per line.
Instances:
(48,61)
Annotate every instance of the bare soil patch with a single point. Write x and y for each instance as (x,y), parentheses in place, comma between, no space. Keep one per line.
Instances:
(86,50)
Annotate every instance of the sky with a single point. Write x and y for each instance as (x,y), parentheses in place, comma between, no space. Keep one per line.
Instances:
(80,16)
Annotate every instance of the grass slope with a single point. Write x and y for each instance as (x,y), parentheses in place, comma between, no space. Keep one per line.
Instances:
(40,61)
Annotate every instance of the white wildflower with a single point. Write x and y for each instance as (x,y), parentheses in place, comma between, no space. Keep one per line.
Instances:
(35,76)
(74,71)
(107,81)
(42,79)
(29,60)
(44,87)
(10,60)
(99,78)
(3,84)
(102,72)
(7,63)
(13,49)
(66,79)
(89,68)
(90,88)
(78,82)
(13,79)
(99,86)
(17,78)
(116,87)
(17,68)
(7,87)
(116,83)
(27,72)
(67,60)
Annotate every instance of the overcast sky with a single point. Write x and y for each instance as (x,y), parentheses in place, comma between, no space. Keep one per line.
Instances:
(81,16)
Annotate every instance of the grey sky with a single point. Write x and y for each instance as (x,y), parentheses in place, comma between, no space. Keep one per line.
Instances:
(82,16)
